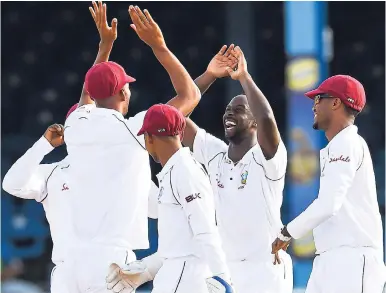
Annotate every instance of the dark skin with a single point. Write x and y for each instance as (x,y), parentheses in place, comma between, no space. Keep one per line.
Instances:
(107,37)
(162,148)
(251,113)
(330,116)
(149,32)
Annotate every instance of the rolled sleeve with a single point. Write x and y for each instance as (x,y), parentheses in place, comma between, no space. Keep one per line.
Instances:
(337,176)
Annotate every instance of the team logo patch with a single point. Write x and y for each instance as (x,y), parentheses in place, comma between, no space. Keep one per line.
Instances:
(244,177)
(192,197)
(341,158)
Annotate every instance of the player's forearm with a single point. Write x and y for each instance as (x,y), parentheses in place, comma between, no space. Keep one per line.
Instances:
(317,213)
(103,55)
(268,134)
(204,81)
(19,175)
(188,94)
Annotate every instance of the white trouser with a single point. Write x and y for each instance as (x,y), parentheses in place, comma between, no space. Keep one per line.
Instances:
(348,270)
(182,275)
(60,278)
(254,276)
(90,266)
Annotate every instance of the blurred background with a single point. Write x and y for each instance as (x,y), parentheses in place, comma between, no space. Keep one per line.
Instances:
(47,47)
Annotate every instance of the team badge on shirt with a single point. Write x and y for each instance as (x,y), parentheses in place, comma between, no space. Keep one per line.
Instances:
(161,190)
(244,177)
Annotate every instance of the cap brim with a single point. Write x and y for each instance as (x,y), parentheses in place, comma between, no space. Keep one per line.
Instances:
(313,93)
(141,131)
(129,79)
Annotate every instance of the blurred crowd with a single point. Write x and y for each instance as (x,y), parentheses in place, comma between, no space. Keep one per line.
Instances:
(48,47)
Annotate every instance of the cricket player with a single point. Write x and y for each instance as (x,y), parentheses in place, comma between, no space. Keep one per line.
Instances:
(48,183)
(188,237)
(247,178)
(345,217)
(110,171)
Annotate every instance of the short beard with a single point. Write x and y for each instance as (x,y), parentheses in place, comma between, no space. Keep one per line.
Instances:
(315,126)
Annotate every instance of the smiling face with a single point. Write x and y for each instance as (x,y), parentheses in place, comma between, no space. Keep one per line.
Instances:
(323,110)
(238,119)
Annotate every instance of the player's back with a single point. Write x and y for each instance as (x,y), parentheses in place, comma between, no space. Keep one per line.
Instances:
(110,177)
(358,222)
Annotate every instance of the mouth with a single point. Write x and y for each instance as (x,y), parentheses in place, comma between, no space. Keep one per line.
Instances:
(229,124)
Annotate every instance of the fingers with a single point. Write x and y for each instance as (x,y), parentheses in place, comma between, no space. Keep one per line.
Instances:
(114,24)
(141,15)
(277,259)
(230,49)
(138,24)
(222,50)
(148,16)
(92,13)
(104,14)
(236,52)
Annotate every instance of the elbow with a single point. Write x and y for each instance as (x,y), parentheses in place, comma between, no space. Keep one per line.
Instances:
(7,185)
(194,94)
(332,209)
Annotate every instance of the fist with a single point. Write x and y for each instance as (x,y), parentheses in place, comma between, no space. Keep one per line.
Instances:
(55,135)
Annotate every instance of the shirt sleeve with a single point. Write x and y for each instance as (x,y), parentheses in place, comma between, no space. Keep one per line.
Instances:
(196,198)
(27,177)
(274,168)
(134,124)
(336,178)
(153,201)
(206,147)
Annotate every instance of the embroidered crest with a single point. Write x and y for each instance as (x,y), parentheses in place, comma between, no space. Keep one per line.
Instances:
(244,177)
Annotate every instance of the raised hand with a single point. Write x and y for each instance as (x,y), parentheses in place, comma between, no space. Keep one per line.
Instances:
(241,69)
(146,28)
(223,59)
(98,12)
(55,135)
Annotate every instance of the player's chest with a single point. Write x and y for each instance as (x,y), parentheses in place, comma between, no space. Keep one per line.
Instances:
(229,179)
(168,196)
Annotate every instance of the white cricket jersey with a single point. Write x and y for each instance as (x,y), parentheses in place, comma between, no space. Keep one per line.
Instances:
(186,214)
(248,196)
(110,176)
(48,184)
(346,211)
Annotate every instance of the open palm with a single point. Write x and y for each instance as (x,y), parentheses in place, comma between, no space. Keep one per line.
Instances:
(219,63)
(99,14)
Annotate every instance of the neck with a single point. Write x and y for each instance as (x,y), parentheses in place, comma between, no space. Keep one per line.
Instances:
(167,152)
(334,129)
(237,150)
(109,104)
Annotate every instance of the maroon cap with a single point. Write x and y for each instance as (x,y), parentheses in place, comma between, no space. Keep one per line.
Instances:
(163,120)
(106,79)
(72,109)
(344,87)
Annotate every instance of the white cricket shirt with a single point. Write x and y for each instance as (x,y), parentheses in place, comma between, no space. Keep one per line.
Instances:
(248,196)
(186,214)
(346,211)
(110,176)
(48,184)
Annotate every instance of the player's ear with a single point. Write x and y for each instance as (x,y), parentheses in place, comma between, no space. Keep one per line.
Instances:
(122,94)
(336,103)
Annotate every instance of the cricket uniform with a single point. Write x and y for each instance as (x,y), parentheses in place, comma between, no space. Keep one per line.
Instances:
(188,237)
(248,198)
(345,220)
(111,180)
(47,184)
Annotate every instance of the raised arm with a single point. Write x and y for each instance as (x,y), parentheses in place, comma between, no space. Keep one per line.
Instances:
(149,32)
(27,178)
(267,132)
(217,68)
(107,37)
